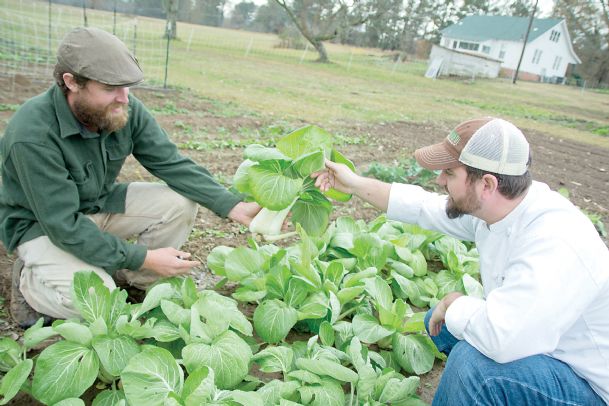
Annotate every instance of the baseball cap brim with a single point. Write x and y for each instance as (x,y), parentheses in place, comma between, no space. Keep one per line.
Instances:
(436,157)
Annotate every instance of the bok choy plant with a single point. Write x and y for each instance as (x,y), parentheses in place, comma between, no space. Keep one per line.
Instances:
(279,180)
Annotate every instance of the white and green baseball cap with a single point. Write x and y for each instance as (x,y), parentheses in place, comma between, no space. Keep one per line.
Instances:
(488,143)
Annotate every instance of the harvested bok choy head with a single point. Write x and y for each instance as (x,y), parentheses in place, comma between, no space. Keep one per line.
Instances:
(270,222)
(279,180)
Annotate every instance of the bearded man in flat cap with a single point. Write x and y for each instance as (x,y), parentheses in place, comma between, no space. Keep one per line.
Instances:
(61,208)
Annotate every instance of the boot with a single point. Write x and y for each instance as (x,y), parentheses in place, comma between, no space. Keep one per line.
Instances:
(134,294)
(21,312)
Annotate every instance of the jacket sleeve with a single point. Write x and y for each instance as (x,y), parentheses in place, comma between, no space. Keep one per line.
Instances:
(546,285)
(56,208)
(154,150)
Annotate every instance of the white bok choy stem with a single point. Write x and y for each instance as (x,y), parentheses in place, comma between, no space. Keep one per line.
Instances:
(269,223)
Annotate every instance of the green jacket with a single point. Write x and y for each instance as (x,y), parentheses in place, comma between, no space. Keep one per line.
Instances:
(55,172)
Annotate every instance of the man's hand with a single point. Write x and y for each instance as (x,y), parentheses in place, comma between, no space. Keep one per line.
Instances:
(336,176)
(168,262)
(343,179)
(439,313)
(244,212)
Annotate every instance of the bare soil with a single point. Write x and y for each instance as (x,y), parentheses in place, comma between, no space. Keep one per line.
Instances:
(580,168)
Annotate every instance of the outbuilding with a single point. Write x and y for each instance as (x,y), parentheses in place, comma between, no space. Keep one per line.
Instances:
(451,62)
(548,52)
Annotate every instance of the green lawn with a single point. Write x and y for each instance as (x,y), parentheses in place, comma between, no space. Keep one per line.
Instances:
(359,85)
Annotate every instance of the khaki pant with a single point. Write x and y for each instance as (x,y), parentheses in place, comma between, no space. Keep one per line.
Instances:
(155,215)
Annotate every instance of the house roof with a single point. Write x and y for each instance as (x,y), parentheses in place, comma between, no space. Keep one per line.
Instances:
(507,28)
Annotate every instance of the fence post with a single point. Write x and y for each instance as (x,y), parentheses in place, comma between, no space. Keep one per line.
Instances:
(23,42)
(304,53)
(84,13)
(192,31)
(168,31)
(350,60)
(395,65)
(249,46)
(135,37)
(50,28)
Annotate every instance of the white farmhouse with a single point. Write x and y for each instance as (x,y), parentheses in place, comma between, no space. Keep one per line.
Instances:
(547,55)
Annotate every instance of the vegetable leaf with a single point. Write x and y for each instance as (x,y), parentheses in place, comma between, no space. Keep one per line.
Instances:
(13,380)
(151,377)
(64,370)
(414,352)
(273,320)
(228,355)
(270,187)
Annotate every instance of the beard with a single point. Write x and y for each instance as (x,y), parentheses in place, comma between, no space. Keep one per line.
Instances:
(466,205)
(102,119)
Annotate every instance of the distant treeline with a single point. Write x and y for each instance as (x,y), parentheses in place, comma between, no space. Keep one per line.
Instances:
(206,12)
(407,26)
(148,8)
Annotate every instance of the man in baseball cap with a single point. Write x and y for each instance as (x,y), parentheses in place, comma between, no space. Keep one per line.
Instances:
(61,208)
(538,335)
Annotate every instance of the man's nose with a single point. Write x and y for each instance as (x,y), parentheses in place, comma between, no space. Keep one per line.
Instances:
(122,95)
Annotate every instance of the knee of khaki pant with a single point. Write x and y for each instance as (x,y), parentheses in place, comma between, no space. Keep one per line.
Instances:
(171,200)
(187,208)
(159,216)
(53,297)
(178,219)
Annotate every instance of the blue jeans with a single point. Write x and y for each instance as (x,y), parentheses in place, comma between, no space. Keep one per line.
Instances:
(470,378)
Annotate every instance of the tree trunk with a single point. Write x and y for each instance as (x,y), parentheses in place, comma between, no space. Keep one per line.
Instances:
(321,50)
(316,42)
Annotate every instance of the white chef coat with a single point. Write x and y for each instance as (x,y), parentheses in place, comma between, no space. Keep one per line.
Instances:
(545,273)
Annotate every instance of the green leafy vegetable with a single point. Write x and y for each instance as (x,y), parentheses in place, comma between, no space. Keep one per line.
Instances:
(279,180)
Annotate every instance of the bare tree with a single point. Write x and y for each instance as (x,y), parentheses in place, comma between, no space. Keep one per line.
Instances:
(588,23)
(322,20)
(605,18)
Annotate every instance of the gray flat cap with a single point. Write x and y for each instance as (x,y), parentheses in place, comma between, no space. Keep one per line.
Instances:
(98,55)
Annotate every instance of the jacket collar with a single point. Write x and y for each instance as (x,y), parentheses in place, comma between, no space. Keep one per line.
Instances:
(508,221)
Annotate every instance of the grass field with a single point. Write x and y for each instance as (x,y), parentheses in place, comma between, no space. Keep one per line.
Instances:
(360,85)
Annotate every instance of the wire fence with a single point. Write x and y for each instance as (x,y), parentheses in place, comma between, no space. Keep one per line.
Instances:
(31,30)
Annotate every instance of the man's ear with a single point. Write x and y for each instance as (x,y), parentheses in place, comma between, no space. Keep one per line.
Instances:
(490,184)
(70,82)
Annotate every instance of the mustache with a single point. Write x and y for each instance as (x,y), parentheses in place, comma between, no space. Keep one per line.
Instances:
(114,106)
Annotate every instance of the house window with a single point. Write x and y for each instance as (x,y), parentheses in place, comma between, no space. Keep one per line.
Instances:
(470,46)
(554,35)
(486,49)
(557,62)
(454,44)
(502,55)
(536,56)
